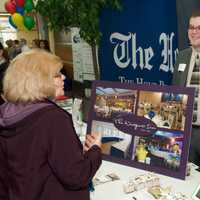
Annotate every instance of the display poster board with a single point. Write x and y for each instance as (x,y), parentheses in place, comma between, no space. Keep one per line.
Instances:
(139,42)
(144,126)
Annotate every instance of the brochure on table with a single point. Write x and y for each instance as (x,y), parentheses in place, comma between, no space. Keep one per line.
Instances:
(196,195)
(144,126)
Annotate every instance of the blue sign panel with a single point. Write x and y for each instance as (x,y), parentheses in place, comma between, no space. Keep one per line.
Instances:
(139,43)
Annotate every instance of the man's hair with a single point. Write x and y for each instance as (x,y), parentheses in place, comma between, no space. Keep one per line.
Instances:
(23,41)
(1,46)
(16,41)
(196,13)
(9,43)
(30,77)
(5,53)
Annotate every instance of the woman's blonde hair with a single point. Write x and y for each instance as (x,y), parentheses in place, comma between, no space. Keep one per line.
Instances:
(30,76)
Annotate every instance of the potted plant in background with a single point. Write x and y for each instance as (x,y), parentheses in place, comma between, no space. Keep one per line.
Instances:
(83,14)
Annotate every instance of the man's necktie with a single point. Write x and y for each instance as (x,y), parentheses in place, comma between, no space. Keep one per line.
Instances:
(195,82)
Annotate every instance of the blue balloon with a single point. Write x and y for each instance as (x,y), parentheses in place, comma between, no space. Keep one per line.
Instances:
(11,22)
(20,10)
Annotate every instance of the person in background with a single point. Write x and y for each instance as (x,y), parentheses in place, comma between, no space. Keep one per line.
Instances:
(24,46)
(17,48)
(41,156)
(3,66)
(10,48)
(187,73)
(44,44)
(35,43)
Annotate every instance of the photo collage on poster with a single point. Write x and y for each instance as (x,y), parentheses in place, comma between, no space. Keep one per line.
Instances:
(143,126)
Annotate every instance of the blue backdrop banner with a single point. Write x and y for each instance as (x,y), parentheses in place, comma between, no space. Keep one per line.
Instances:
(139,43)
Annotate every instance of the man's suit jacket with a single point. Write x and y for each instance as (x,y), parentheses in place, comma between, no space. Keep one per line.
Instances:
(180,77)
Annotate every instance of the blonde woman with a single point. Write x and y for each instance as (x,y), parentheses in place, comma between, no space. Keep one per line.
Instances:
(41,157)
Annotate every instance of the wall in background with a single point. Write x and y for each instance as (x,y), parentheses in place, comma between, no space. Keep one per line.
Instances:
(63,48)
(2,2)
(28,35)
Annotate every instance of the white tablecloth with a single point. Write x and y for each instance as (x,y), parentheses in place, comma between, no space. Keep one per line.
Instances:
(114,190)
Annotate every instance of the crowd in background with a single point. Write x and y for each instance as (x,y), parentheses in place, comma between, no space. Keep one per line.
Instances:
(13,48)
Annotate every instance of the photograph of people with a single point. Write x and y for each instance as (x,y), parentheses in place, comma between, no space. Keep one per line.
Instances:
(162,149)
(41,156)
(166,110)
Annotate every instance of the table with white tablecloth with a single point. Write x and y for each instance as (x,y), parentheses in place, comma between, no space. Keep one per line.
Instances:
(114,189)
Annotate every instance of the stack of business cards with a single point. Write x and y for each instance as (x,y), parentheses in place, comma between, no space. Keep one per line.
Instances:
(141,182)
(105,178)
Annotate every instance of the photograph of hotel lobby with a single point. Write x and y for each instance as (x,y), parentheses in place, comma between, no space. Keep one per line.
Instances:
(111,102)
(166,110)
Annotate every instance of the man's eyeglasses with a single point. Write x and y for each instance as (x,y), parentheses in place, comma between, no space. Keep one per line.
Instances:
(192,28)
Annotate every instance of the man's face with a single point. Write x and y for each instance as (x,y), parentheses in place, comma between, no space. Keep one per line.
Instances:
(194,31)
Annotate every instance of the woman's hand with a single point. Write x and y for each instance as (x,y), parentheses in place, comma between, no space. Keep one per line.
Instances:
(93,139)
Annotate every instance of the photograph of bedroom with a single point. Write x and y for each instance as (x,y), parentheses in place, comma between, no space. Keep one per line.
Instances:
(111,102)
(166,110)
(114,142)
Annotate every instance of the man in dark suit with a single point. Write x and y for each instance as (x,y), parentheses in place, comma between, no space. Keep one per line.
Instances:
(187,73)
